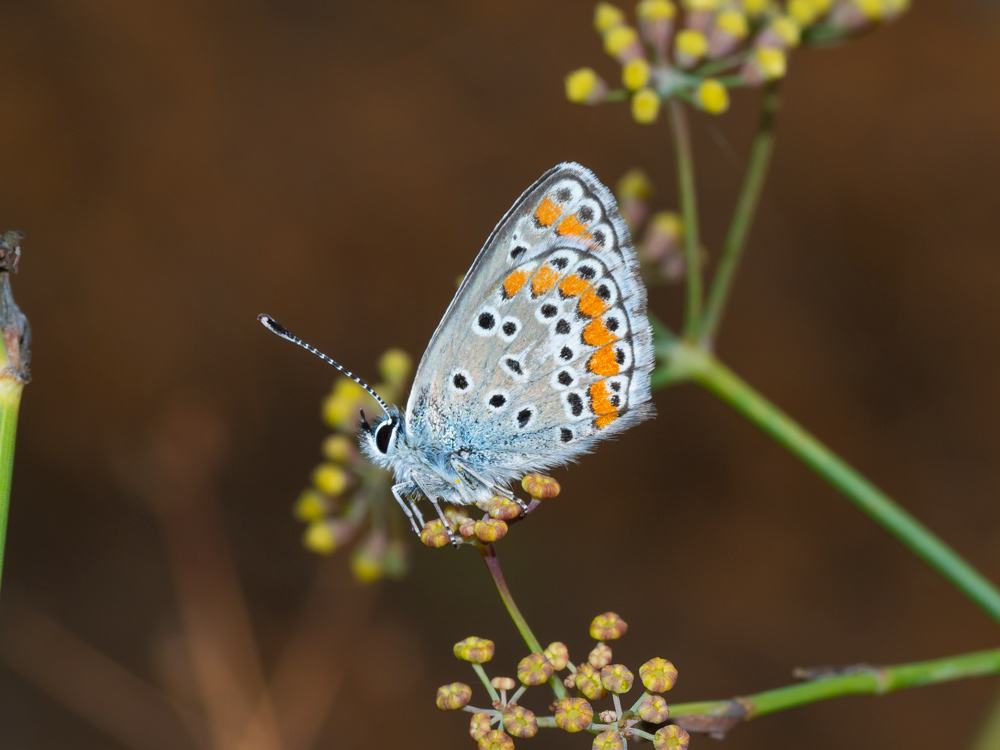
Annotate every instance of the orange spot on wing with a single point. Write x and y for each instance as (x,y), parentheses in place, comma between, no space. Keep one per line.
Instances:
(573,285)
(513,283)
(604,420)
(603,362)
(597,334)
(591,305)
(545,278)
(600,399)
(547,212)
(571,225)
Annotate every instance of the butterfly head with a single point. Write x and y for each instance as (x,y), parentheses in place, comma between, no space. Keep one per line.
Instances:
(380,437)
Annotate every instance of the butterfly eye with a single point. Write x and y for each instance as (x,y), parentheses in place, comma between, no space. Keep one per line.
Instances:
(383,436)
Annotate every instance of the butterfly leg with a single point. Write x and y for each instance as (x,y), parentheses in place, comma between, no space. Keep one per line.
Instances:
(441,515)
(495,489)
(409,508)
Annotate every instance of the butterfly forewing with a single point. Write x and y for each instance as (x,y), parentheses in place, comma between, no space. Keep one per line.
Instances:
(546,348)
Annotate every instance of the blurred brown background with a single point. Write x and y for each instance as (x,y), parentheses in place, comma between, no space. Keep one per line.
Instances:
(179,167)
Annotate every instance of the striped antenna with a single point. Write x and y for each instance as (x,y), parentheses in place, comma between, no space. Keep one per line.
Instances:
(275,327)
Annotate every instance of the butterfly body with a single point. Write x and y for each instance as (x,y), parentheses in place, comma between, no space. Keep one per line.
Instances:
(545,350)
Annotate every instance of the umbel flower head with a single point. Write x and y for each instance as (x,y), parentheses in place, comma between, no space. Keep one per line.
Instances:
(697,50)
(348,500)
(506,718)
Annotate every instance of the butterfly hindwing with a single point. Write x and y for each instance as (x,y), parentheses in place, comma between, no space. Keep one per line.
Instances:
(546,347)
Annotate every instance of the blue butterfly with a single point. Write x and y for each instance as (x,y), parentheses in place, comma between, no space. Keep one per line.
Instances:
(545,350)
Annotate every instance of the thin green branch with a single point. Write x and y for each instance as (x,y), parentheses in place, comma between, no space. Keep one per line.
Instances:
(15,353)
(743,215)
(689,211)
(489,554)
(683,361)
(718,717)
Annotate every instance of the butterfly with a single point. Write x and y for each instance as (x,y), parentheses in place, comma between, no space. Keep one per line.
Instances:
(545,350)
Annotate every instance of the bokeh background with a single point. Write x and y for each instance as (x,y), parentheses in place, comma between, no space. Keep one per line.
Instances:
(179,167)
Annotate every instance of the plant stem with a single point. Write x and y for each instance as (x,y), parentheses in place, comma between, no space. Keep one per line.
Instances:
(689,212)
(860,680)
(489,554)
(10,400)
(686,362)
(746,207)
(15,353)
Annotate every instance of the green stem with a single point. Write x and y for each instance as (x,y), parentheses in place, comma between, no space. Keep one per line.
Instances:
(686,362)
(689,212)
(15,353)
(489,554)
(10,400)
(989,734)
(746,207)
(861,680)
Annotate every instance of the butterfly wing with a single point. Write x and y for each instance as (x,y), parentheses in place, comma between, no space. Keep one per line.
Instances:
(546,347)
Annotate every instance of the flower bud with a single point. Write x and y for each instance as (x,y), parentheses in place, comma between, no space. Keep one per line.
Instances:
(312,505)
(617,678)
(534,669)
(475,650)
(479,725)
(609,739)
(712,97)
(690,47)
(573,714)
(600,657)
(558,655)
(340,449)
(622,43)
(331,479)
(635,74)
(765,64)
(730,29)
(368,557)
(326,536)
(495,739)
(607,17)
(656,21)
(653,708)
(670,737)
(607,627)
(520,722)
(588,681)
(645,106)
(584,86)
(434,534)
(502,508)
(658,675)
(454,696)
(503,683)
(539,486)
(490,530)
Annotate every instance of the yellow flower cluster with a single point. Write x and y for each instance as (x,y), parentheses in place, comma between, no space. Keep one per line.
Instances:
(348,497)
(699,51)
(595,679)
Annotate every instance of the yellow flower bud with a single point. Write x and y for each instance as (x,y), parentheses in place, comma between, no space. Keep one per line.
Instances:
(871,9)
(609,739)
(670,737)
(534,669)
(573,714)
(658,675)
(619,40)
(600,656)
(696,5)
(712,97)
(434,534)
(690,46)
(584,86)
(607,627)
(787,30)
(645,106)
(520,722)
(557,654)
(634,185)
(495,739)
(635,74)
(490,530)
(339,449)
(539,486)
(311,505)
(454,696)
(803,11)
(475,650)
(655,10)
(606,17)
(479,725)
(733,22)
(502,508)
(394,366)
(331,479)
(771,61)
(368,559)
(617,678)
(653,708)
(756,7)
(503,683)
(321,537)
(588,681)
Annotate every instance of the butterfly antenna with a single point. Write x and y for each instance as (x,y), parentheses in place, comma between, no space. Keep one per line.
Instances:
(275,327)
